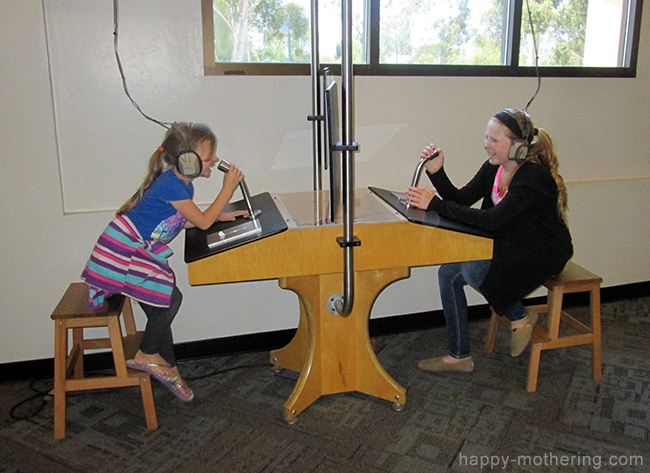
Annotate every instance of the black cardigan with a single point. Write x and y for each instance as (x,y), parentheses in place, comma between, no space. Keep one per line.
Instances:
(531,241)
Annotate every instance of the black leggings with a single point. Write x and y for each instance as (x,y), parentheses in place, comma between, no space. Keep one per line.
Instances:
(157,336)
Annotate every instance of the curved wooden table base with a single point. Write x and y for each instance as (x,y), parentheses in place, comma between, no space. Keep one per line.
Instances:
(333,354)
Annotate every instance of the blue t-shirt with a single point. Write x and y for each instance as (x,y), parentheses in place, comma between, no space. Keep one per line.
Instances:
(154,216)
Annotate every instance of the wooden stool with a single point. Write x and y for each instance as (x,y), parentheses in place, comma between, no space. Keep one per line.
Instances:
(73,313)
(573,279)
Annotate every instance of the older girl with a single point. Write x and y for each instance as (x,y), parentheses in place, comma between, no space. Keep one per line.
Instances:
(524,204)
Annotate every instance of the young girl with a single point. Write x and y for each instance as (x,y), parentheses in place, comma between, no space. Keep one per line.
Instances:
(524,206)
(130,257)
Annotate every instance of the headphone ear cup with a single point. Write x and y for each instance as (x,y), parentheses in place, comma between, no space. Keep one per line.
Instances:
(189,163)
(518,150)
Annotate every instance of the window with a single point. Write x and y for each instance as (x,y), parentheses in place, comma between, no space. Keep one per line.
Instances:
(576,38)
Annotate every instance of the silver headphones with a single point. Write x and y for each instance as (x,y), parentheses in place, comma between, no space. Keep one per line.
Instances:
(521,126)
(188,162)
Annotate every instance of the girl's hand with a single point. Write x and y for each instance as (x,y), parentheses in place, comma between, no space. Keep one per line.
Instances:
(232,178)
(433,165)
(230,216)
(419,197)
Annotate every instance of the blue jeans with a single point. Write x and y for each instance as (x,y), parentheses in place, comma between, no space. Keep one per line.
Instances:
(452,279)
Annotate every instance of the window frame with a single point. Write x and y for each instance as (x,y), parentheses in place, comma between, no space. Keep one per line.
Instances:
(374,68)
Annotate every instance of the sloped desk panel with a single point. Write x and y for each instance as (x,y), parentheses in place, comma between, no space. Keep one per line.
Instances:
(333,354)
(313,250)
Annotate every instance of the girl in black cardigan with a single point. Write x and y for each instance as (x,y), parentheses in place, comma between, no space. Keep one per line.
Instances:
(524,207)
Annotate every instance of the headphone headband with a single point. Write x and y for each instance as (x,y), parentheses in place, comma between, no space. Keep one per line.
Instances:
(509,118)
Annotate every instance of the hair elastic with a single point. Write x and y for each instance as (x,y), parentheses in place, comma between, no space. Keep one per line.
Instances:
(161,149)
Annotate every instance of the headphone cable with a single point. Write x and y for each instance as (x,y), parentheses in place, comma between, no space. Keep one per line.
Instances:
(539,79)
(43,395)
(121,69)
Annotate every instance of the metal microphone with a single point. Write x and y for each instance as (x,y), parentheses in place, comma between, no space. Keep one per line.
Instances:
(224,166)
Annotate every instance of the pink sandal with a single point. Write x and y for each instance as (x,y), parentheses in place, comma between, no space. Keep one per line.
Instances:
(177,387)
(150,368)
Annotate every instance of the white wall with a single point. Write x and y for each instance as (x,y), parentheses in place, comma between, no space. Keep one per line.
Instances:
(66,122)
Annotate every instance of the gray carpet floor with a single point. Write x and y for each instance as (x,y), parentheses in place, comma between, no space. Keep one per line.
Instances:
(479,422)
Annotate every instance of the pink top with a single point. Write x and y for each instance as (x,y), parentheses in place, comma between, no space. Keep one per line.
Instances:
(496,195)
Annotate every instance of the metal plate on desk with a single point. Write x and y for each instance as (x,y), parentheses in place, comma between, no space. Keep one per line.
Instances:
(311,209)
(430,218)
(270,220)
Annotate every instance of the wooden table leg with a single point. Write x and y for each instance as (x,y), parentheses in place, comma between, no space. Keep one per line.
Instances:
(332,353)
(292,356)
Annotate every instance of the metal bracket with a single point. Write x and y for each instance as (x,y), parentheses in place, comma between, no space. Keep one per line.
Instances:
(347,244)
(339,146)
(335,303)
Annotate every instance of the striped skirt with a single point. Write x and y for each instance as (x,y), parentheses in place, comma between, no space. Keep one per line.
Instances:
(122,262)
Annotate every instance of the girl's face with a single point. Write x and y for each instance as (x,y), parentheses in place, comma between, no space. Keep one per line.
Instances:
(497,143)
(208,156)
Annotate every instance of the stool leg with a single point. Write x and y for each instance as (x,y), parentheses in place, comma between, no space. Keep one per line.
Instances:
(596,353)
(533,367)
(78,342)
(127,315)
(554,314)
(60,355)
(115,334)
(492,333)
(146,390)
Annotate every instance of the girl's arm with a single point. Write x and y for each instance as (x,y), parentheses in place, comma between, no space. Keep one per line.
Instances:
(513,204)
(469,194)
(224,217)
(531,188)
(472,192)
(203,219)
(230,216)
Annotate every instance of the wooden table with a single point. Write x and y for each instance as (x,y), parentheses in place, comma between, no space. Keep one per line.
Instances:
(333,354)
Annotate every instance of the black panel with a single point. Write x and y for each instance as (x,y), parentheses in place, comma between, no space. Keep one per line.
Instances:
(424,217)
(270,219)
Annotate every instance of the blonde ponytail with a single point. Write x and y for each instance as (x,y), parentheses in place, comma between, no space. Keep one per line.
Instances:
(543,152)
(177,138)
(156,168)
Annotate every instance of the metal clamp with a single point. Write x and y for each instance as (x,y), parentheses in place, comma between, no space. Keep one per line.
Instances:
(341,147)
(347,244)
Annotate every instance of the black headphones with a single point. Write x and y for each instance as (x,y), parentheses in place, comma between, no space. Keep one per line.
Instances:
(522,128)
(188,162)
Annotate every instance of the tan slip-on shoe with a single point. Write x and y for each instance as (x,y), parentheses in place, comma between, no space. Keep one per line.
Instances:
(465,365)
(521,336)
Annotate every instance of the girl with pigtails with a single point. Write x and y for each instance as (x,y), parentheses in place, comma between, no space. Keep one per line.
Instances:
(130,256)
(524,205)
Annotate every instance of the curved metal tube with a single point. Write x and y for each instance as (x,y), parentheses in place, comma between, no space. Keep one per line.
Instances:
(224,166)
(348,162)
(418,169)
